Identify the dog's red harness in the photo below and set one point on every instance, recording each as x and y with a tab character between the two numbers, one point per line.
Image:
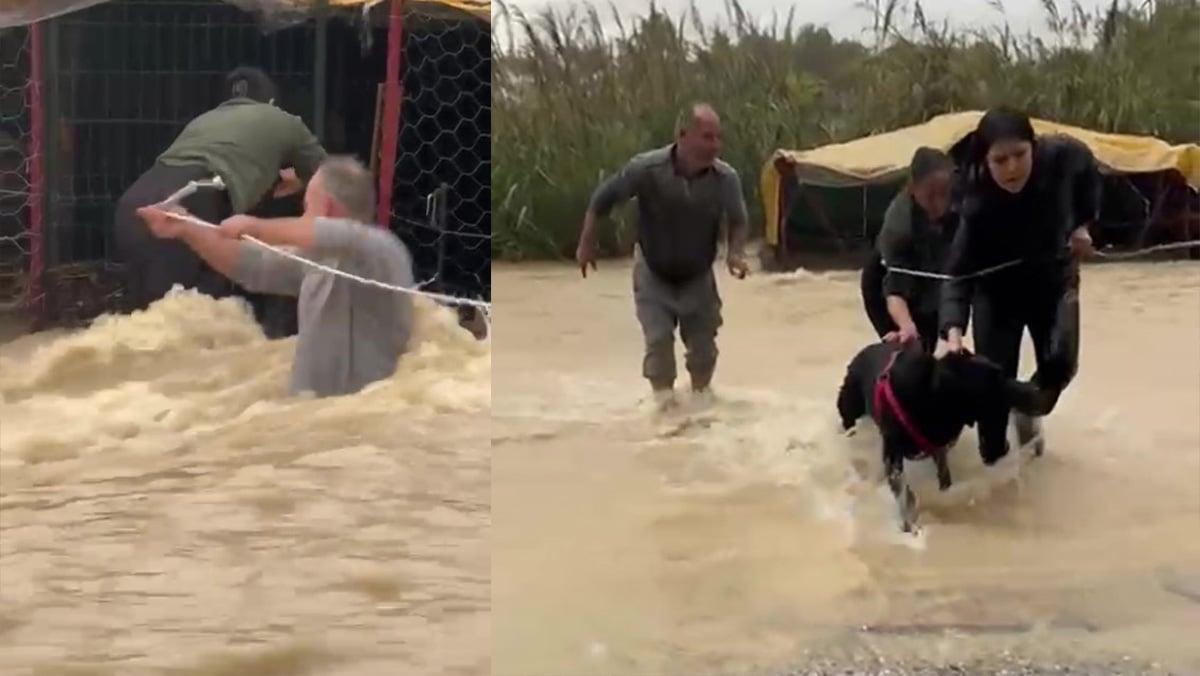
885	396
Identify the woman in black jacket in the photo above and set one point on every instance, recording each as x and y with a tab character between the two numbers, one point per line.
1027	199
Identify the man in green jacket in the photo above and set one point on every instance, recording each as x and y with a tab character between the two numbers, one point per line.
257	150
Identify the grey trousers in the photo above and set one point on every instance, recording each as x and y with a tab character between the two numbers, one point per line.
695	307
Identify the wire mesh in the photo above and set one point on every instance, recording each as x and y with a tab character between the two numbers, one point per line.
122	79
129	75
16	146
441	202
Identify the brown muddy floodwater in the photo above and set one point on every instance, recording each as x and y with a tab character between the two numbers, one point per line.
166	508
746	536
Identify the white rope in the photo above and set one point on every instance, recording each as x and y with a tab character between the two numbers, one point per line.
190	189
439	297
938	275
1141	252
996	268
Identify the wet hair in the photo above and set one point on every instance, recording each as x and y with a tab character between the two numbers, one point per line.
351	185
927	161
997	124
250	83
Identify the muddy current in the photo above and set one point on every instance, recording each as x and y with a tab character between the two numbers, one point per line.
751	534
166	507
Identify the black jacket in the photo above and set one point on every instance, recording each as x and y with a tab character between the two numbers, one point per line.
1034	226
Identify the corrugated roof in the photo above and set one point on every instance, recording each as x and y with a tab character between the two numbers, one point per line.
22	12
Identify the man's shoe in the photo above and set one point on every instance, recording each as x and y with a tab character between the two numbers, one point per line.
664	400
1029	430
704	397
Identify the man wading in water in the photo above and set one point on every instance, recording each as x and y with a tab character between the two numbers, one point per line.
351	334
682	190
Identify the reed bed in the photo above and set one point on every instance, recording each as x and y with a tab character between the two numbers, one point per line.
576	92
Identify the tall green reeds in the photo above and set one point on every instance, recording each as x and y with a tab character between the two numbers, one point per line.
572	100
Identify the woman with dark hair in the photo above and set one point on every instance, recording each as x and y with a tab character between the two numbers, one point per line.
917	230
1027	199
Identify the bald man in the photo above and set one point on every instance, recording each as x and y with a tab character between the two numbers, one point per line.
684	193
351	334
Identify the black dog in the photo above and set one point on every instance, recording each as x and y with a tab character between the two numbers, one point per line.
921	405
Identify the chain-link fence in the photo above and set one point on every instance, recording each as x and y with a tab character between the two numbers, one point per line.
121	78
16	170
441	200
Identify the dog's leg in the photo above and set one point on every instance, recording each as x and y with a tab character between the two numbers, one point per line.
993	442
943	468
906	502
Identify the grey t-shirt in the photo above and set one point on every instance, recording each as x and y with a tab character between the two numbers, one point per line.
351	334
678	217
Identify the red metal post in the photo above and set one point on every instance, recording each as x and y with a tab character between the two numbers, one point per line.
35	302
393	97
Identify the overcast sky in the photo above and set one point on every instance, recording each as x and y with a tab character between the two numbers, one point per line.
846	18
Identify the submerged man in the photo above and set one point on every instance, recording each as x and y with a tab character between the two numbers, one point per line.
256	149
916	234
1026	199
351	334
683	192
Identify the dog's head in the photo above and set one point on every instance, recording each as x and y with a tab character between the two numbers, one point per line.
971	388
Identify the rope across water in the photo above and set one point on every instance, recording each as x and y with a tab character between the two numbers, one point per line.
996	268
218	184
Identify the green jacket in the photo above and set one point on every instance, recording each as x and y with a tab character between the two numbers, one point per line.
247	143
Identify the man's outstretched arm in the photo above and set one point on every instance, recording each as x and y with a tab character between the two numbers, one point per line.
318	237
613	191
257	270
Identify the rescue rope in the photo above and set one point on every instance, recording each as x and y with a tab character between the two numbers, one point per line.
1117	256
996	268
218	184
439	297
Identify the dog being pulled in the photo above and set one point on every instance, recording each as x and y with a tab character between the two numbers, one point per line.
921	404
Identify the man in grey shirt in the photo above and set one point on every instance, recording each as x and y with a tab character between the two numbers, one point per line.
683	192
351	334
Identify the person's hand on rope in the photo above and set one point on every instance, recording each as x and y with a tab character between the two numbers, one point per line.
585	255
904	335
1081	242
161	220
238	226
951	344
737	265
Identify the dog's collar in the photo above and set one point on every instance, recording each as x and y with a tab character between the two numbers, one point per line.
885	397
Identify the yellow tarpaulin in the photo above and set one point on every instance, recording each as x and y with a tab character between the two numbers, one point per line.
480	9
885	157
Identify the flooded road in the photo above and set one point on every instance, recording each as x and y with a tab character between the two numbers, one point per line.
751	534
165	506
